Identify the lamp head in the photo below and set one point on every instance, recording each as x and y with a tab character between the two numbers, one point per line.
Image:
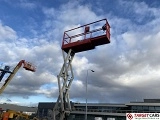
92	70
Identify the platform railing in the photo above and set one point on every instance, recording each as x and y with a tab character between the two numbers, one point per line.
72	36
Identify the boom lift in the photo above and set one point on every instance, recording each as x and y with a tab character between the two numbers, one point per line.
26	65
79	39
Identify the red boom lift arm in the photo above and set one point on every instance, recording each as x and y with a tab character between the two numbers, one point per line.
26	65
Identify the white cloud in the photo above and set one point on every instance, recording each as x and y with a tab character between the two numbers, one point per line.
41	52
130	39
7	34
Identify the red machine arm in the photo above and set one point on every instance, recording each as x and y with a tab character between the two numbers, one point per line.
26	65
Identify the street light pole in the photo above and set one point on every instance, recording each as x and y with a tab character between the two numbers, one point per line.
87	92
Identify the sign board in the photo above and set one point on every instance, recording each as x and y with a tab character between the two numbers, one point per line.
142	116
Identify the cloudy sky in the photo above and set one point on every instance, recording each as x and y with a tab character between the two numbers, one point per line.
126	70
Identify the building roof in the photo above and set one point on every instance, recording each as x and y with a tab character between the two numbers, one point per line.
17	108
146	102
49	105
100	104
152	100
142	104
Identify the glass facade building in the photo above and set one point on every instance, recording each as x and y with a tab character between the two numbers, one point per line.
104	111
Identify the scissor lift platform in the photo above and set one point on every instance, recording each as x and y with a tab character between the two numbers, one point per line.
86	37
79	39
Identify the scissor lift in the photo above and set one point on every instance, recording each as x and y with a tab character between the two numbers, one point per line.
79	39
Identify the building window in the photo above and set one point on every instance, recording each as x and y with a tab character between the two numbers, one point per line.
151	108
139	108
145	108
157	108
